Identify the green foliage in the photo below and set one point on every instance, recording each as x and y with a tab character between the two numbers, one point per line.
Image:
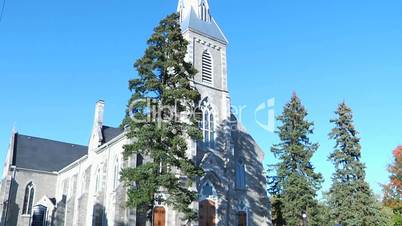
390	217
350	198
324	214
158	126
296	183
397	219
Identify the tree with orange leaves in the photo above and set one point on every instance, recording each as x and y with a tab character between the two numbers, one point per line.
393	190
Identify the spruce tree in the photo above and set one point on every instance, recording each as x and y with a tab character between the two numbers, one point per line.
275	191
160	124
350	198
296	183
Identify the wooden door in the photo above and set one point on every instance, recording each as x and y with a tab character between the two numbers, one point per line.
159	216
207	213
242	218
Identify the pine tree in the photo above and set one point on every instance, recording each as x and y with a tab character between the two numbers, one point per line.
275	191
296	181
350	198
160	124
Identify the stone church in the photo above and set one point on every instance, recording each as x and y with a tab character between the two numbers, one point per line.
53	183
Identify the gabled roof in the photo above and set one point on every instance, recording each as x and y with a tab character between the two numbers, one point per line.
109	133
210	29
45	155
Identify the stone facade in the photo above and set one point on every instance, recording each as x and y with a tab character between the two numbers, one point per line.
87	191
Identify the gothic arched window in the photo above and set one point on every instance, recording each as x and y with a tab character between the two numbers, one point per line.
140	160
207	68
208	191
240	175
116	173
203	16
208	126
28	199
204	11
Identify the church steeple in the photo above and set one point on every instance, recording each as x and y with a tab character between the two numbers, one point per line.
196	15
200	7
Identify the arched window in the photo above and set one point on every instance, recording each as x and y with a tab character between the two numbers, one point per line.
205	15
98	183
204	12
28	199
240	175
208	191
208	127
116	174
207	67
140	160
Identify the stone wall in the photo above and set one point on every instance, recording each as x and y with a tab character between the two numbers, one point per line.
44	185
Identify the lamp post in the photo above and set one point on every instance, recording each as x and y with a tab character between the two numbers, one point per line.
304	219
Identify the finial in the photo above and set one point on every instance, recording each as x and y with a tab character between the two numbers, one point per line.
14	129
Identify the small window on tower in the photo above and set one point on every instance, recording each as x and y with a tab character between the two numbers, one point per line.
207	68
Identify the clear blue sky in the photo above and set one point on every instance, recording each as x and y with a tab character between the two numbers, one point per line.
58	57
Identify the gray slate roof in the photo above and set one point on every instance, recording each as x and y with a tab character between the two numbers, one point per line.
109	133
210	29
45	155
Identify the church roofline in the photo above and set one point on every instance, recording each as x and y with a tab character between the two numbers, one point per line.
210	29
44	155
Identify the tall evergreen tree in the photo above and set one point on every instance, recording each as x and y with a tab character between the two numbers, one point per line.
274	190
350	198
160	124
296	183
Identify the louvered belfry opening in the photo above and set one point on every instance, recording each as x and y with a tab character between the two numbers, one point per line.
206	67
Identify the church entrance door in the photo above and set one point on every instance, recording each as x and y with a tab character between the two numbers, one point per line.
39	216
242	218
207	213
159	216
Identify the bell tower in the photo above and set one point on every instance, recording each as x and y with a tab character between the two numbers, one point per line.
207	52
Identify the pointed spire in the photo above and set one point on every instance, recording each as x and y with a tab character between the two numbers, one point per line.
14	130
200	7
195	15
